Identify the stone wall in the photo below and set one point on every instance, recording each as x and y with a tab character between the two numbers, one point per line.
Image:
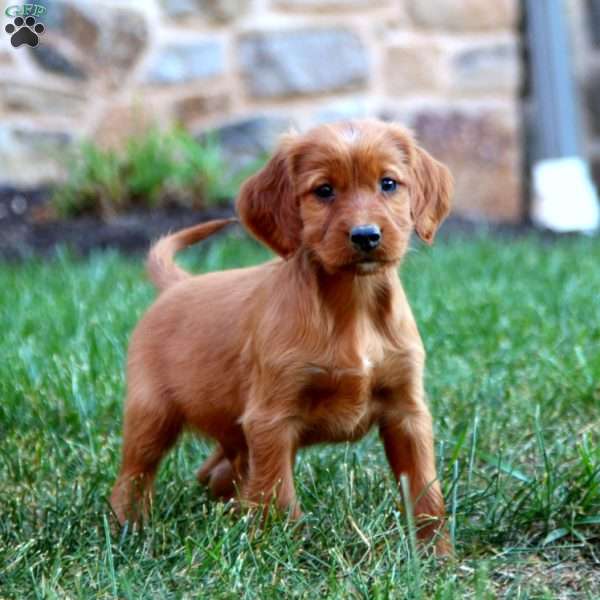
450	69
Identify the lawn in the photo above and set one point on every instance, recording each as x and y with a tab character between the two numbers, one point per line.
512	328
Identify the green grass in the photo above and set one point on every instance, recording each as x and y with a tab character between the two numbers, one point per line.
512	329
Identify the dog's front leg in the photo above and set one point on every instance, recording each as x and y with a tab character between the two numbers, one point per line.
407	436
271	448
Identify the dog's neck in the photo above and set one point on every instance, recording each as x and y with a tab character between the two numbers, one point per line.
347	294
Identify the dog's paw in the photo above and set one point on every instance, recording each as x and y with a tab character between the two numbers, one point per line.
24	31
442	547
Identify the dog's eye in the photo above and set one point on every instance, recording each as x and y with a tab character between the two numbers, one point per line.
325	192
388	185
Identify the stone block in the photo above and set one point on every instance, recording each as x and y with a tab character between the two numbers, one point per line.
212	10
279	64
82	41
481	146
341	110
415	66
321	5
192	108
40	100
121	122
30	156
181	8
247	140
123	38
55	60
492	66
6	58
185	62
75	22
464	15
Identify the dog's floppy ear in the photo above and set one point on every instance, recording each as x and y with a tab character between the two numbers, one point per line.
268	207
430	190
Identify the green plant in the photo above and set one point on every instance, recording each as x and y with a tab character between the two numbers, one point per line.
147	164
95	184
157	169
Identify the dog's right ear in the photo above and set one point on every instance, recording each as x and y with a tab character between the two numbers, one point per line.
268	207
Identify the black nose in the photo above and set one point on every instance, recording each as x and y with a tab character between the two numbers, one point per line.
365	237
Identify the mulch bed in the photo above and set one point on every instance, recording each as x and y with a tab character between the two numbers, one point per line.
26	230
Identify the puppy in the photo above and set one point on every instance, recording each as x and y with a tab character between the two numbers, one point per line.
318	345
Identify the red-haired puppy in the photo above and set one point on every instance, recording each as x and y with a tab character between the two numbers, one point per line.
318	345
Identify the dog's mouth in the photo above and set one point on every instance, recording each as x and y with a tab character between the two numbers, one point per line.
365	265
358	263
368	260
373	260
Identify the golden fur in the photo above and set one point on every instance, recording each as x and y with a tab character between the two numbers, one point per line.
316	346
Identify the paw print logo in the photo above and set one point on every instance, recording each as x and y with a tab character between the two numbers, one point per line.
24	31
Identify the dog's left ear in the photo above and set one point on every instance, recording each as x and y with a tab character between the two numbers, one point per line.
268	207
430	192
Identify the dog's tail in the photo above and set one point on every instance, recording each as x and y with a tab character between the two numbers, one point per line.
160	265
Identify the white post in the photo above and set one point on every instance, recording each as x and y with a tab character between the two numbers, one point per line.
564	196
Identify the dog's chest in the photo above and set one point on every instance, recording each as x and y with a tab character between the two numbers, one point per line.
340	400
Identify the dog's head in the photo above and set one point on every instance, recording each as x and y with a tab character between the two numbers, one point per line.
351	193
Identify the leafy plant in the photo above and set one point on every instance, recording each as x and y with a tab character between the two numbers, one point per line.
158	169
94	185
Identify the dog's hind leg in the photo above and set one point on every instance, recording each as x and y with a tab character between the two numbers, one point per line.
152	425
223	471
217	473
218	455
